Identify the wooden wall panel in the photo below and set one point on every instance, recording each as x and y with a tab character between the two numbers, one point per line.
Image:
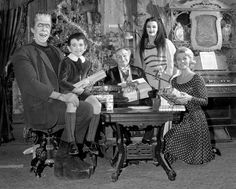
113	12
5	4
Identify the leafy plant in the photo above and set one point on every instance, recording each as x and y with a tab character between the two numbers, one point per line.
68	19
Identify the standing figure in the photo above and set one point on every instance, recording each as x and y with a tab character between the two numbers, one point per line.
75	68
156	54
189	140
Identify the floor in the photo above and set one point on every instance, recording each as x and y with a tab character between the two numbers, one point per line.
218	174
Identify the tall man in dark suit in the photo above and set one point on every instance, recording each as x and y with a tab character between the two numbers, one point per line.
36	71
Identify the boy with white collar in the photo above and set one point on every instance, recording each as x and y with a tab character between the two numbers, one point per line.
73	69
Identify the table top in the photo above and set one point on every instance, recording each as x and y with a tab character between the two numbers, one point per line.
144	110
131	117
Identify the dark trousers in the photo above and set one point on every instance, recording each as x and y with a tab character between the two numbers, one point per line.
149	131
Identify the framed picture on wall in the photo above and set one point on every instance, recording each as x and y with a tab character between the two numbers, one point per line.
206	32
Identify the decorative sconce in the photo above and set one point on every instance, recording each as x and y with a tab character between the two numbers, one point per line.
127	34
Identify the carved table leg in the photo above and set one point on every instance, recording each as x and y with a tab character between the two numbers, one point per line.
121	154
116	152
160	156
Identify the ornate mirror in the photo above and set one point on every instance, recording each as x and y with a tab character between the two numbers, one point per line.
206	32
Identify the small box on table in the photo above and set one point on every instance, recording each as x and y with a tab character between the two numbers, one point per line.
107	99
136	90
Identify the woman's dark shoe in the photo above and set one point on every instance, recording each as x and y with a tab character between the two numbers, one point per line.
216	151
156	163
171	175
73	149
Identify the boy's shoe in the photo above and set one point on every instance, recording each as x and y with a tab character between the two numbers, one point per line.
73	149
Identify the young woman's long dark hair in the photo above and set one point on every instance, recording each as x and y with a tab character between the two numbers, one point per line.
159	41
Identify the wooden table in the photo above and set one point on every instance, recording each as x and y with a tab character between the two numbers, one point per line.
126	117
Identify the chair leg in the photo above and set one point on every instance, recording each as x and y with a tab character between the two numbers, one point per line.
43	153
38	163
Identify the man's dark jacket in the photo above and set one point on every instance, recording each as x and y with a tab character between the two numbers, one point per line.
113	75
37	79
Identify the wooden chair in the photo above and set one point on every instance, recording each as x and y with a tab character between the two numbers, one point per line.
45	144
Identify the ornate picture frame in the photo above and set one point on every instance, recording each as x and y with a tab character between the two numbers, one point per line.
206	32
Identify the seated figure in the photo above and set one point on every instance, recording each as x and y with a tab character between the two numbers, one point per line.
74	68
36	69
123	73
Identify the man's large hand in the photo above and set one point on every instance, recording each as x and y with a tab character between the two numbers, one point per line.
67	98
71	98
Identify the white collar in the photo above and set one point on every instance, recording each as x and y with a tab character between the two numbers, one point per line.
121	76
124	68
75	58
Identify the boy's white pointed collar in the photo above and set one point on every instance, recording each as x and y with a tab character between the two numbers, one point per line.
75	58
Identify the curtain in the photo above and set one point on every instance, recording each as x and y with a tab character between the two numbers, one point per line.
10	21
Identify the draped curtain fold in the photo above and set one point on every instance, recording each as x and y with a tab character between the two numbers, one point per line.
10	21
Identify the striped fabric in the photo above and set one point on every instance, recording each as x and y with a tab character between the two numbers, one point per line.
154	62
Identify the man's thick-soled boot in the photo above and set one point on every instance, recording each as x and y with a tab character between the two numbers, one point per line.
75	168
61	155
73	149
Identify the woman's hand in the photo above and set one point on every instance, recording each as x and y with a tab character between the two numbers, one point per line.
183	99
158	70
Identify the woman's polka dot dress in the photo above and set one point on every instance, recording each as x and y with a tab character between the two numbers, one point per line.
189	140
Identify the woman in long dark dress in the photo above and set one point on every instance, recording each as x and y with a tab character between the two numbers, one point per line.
189	140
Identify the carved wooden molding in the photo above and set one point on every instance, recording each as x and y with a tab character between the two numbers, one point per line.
206	32
200	5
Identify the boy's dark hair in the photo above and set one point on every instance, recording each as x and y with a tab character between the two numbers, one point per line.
77	36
